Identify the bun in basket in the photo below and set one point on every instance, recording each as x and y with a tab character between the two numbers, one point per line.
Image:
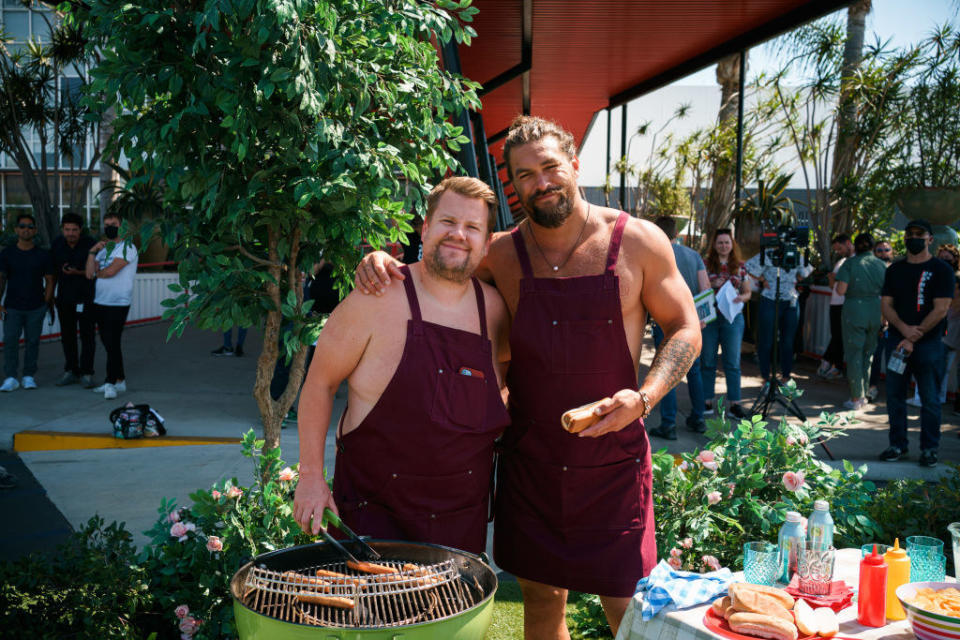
762	626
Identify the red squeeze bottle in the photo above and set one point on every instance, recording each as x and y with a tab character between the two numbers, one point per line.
872	597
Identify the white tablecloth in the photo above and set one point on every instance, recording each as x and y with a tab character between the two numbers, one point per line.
687	624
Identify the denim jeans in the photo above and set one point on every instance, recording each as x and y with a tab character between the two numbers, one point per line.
926	365
728	336
228	337
880	357
30	323
668	405
787	325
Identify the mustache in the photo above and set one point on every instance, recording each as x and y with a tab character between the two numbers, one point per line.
544	192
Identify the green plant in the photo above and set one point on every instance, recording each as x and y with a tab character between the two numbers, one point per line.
586	618
741	485
194	551
91	587
768	202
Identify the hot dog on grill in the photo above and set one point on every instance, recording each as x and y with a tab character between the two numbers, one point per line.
326	601
576	420
371	567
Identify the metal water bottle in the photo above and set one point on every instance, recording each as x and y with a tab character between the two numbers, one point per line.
791	540
820	526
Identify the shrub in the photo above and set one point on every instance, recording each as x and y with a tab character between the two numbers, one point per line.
195	551
41	595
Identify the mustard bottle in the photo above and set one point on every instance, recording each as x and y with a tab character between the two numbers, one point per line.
898	573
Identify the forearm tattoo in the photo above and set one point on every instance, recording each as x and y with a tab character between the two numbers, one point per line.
671	363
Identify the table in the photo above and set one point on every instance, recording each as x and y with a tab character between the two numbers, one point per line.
687	624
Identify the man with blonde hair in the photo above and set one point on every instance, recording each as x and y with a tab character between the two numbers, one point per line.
575	511
415	444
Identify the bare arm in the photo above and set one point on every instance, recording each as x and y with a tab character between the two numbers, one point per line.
340	347
910	333
113	268
938	313
703	280
841	288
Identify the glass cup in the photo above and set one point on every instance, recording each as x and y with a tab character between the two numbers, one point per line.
815	569
867	549
924	544
924	552
761	563
928	568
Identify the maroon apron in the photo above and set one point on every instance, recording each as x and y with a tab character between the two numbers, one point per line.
419	465
572	512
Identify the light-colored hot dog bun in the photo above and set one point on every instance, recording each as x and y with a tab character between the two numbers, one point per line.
785	598
576	420
756	602
720	605
762	626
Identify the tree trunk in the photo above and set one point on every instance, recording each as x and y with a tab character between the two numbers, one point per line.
719	201
107	174
844	156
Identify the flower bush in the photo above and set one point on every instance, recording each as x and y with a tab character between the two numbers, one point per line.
739	488
195	550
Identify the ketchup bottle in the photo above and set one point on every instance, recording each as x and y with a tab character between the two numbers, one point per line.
872	598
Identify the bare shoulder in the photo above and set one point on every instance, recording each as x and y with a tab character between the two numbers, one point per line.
644	236
358	310
495	306
500	245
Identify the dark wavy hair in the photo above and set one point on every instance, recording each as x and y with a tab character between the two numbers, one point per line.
713	258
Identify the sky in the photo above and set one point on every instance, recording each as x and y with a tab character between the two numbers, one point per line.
902	22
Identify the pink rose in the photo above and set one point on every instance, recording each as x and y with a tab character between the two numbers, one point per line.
675	563
675	552
713	497
234	492
287	474
706	456
712	465
711	562
216	494
686	543
189	626
793	481
174	516
791	440
178	530
214	544
802	438
182	611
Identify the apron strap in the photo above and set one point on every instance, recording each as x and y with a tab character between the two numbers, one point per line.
524	258
412	300
616	239
481	308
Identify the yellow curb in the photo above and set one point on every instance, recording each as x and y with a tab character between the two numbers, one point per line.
63	440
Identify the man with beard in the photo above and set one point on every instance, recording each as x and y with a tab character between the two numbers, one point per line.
415	444
576	511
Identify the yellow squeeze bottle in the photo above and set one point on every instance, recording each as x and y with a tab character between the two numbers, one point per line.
898	573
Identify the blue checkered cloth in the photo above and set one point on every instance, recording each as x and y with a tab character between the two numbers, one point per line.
683	589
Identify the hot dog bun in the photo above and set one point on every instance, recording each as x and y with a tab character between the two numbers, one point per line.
762	626
803	615
576	420
750	601
720	605
785	599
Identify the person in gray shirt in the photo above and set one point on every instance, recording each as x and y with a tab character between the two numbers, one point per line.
694	273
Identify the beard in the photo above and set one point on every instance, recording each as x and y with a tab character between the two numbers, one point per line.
550	216
452	270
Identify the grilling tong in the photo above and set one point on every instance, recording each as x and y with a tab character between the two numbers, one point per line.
329	517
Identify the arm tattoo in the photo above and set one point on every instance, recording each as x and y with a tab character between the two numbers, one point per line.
671	363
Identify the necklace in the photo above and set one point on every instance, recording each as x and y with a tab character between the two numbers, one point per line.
557	267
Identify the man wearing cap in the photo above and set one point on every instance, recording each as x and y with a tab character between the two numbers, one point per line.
916	295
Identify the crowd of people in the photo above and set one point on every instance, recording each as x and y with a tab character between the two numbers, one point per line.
87	282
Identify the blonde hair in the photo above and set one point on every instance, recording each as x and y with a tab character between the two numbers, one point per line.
468	188
527	129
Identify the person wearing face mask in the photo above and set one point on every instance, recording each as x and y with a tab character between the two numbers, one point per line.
915	298
112	263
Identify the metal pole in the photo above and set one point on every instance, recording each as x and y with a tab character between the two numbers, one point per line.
608	141
740	92
623	154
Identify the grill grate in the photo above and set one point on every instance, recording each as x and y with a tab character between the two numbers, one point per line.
415	593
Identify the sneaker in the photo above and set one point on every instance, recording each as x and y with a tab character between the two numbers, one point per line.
222	351
28	382
68	377
831	374
120	386
697	426
238	352
914	402
10	384
855	405
7	479
290	418
667	433
109	391
873	393
87	381
928	458
737	411
892	454
708	408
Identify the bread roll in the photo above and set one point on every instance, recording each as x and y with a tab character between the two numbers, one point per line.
755	602
803	615
576	420
785	598
720	605
827	623
762	626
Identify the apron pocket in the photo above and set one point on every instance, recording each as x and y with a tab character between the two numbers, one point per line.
460	400
584	346
430	495
607	497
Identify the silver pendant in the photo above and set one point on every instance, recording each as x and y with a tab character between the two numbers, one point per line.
556	268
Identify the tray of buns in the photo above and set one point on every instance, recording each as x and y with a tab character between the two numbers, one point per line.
753	611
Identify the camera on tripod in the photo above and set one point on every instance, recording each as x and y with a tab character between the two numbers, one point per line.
787	243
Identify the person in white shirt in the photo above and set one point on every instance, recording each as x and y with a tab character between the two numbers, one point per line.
112	262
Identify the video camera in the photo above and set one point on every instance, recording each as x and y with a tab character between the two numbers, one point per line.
787	243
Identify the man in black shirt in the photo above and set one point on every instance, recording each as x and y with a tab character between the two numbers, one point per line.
26	273
916	295
74	300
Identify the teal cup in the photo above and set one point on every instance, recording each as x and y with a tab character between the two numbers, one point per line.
867	549
761	563
928	568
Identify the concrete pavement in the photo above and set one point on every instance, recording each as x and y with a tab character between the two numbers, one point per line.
201	395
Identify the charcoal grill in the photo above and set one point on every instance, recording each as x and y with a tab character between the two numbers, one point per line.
436	592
